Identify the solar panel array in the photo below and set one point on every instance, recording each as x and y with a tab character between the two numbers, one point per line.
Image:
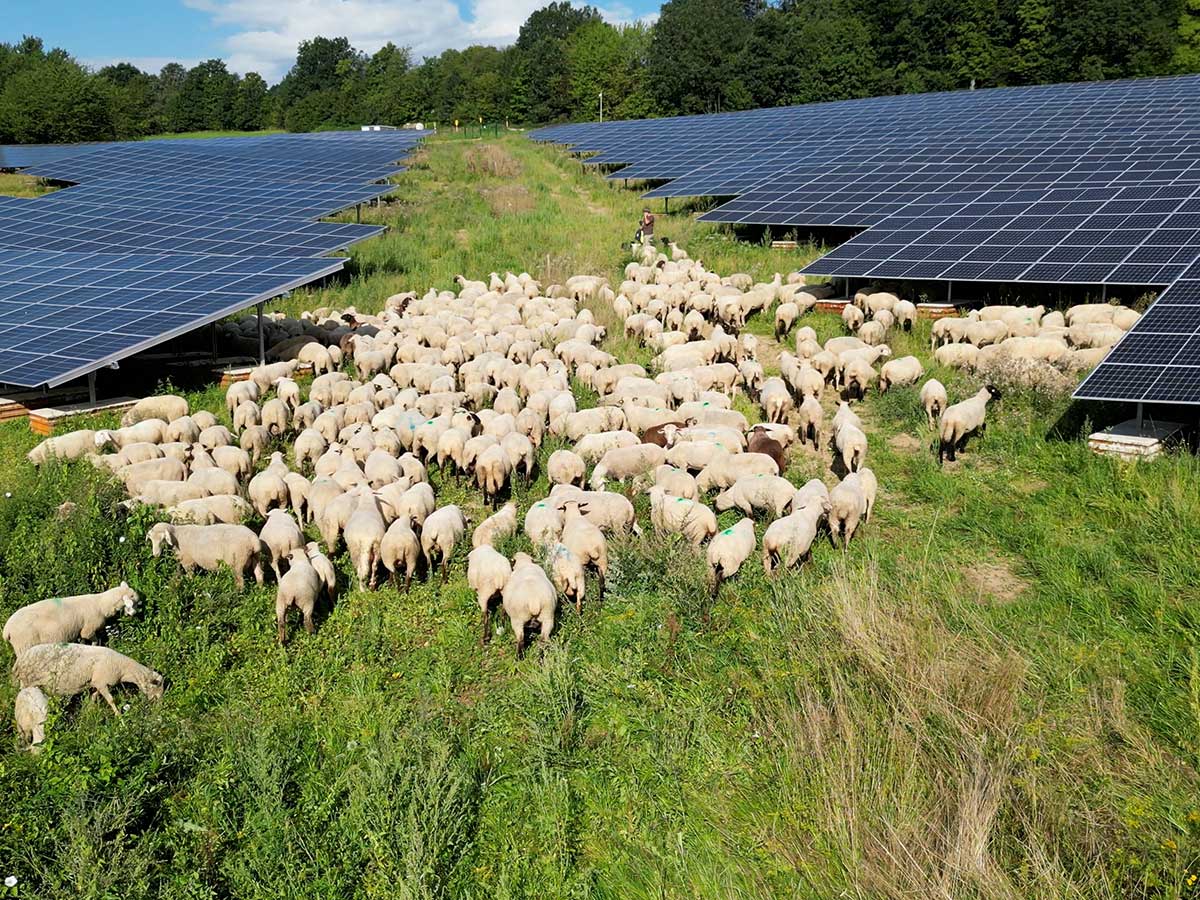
1094	183
158	238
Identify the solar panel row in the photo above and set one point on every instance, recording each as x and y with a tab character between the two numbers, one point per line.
159	238
1068	184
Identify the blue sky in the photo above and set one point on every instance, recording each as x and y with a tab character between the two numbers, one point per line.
261	35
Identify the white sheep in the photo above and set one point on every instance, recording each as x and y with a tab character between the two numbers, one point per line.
566	572
851	443
772	493
776	400
963	419
543	523
439	535
725	468
208	547
30	712
530	600
67	618
848	507
566	467
681	515
400	548
728	550
166	407
626	463
810	421
487	574
899	372
363	535
933	400
496	527
789	540
228	509
66	447
280	535
300	587
587	542
676	481
68	669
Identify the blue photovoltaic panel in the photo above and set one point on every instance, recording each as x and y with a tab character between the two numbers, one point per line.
34	224
1095	183
65	314
158	238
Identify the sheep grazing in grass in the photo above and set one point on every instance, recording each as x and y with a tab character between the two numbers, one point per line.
495	527
69	669
208	547
30	712
530	601
810	421
364	534
786	315
543	523
789	540
62	619
851	444
487	573
776	399
772	493
679	515
400	549
280	535
676	481
728	550
565	467
166	407
324	567
933	400
299	588
586	542
439	535
851	502
963	419
904	370
566	571
71	446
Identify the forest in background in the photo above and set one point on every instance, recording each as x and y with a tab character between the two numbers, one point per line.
699	56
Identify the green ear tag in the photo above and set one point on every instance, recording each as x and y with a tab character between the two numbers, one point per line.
727	531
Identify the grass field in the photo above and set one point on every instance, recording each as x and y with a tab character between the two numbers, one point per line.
16	185
994	694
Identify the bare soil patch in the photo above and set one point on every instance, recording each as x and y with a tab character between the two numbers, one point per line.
906	443
995	582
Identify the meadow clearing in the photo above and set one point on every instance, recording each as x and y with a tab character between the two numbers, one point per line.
994	693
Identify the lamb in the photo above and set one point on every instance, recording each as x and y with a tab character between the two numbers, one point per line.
810	421
487	573
566	572
933	399
30	712
776	399
681	515
67	447
566	467
529	600
241	392
299	587
851	443
64	619
280	535
495	527
789	540
228	509
902	371
400	548
726	468
208	547
627	462
906	314
586	541
728	550
68	669
852	317
850	503
963	419
363	535
166	407
751	492
440	533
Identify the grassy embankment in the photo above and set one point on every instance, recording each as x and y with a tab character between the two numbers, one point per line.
995	693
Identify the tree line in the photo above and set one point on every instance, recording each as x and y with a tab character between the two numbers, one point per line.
699	56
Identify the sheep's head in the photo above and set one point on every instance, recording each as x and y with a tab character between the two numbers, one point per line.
993	391
161	535
103	439
129	598
152	685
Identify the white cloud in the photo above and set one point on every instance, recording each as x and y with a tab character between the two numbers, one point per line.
265	33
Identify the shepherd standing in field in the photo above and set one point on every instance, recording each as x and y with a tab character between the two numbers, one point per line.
645	233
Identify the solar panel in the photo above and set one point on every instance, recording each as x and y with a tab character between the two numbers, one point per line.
65	314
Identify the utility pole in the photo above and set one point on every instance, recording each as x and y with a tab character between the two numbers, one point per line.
602	106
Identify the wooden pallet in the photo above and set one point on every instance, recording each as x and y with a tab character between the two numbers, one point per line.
18	405
936	310
783	245
44	421
832	305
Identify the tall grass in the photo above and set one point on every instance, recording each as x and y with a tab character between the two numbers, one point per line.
995	693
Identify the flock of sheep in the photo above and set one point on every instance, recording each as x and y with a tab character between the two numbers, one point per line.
473	383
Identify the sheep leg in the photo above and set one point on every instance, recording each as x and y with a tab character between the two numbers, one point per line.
281	625
485	623
408	573
445	567
308	620
519	628
102	690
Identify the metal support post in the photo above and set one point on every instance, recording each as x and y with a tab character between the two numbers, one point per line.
212	333
1140	417
666	205
358	213
92	388
950	292
262	349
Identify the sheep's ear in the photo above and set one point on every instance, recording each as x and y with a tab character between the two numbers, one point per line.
124	584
